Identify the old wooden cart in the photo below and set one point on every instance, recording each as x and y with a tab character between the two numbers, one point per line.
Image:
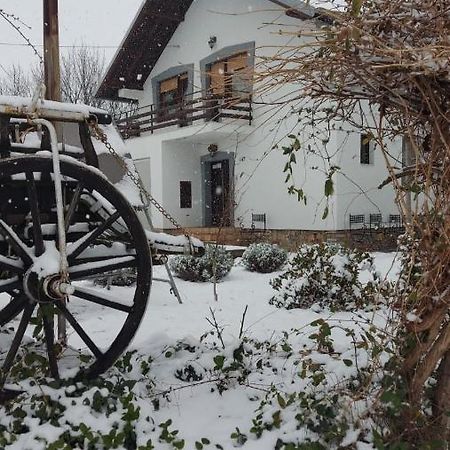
68	212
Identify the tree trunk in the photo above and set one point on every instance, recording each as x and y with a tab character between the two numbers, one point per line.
441	407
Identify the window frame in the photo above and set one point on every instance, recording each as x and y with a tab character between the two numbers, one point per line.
226	53
366	150
167	75
169	109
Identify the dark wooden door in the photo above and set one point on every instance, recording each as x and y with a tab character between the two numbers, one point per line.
220	193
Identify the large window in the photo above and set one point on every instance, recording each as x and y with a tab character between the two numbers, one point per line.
172	92
230	77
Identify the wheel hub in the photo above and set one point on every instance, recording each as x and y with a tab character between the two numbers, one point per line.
49	289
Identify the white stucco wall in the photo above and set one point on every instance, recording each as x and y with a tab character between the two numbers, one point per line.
259	177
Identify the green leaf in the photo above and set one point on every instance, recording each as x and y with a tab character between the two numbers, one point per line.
348	362
179	444
218	361
329	188
281	401
325	213
356	7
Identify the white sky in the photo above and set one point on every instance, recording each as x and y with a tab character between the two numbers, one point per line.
89	22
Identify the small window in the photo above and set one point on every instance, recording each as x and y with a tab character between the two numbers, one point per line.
185	194
172	92
365	155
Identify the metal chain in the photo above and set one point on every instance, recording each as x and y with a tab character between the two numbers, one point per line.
135	178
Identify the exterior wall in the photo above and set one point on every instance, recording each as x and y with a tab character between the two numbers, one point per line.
357	185
181	162
259	179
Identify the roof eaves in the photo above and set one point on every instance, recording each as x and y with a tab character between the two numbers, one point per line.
120	48
297	8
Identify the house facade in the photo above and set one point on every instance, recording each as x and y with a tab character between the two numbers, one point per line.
207	137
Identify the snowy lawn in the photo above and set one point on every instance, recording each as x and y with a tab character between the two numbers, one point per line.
184	374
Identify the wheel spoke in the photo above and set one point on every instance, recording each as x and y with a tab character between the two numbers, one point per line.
95	298
79	330
9	360
82	244
10	264
12	309
10	284
73	205
49	331
20	248
34	207
82	271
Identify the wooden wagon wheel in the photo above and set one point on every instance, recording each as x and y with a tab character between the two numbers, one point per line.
96	245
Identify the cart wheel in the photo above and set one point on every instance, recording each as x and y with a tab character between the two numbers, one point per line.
103	236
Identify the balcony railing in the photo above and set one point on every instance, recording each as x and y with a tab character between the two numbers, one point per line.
211	109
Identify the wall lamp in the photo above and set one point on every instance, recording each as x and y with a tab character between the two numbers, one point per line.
212	42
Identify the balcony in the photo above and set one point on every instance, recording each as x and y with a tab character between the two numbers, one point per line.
149	119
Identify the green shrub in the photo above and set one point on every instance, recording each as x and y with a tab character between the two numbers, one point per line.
215	264
324	274
264	258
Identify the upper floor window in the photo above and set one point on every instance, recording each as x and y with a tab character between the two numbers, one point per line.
366	149
172	92
230	77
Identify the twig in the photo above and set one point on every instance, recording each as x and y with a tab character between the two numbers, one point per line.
214	324
243	321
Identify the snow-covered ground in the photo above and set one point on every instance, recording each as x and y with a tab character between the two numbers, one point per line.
173	336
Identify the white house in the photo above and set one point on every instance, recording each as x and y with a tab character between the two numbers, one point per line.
203	137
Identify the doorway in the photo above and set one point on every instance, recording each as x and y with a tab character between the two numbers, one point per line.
220	191
217	189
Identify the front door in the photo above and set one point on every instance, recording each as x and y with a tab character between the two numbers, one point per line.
220	193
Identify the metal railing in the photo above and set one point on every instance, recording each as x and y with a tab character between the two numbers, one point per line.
190	110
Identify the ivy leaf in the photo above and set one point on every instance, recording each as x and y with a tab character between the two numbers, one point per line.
348	362
325	213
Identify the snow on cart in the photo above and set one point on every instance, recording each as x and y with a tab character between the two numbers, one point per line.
69	203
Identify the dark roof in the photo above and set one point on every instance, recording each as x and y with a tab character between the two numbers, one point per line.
144	43
148	36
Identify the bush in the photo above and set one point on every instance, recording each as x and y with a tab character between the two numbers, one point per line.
324	274
213	265
123	277
264	258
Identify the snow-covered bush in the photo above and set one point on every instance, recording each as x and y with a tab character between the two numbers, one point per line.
264	258
324	274
213	265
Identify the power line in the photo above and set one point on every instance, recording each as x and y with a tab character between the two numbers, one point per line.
11	44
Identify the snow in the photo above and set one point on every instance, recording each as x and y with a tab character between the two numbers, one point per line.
197	408
9	103
164	239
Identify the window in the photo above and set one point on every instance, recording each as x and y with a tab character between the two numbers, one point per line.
172	93
366	150
230	77
185	194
